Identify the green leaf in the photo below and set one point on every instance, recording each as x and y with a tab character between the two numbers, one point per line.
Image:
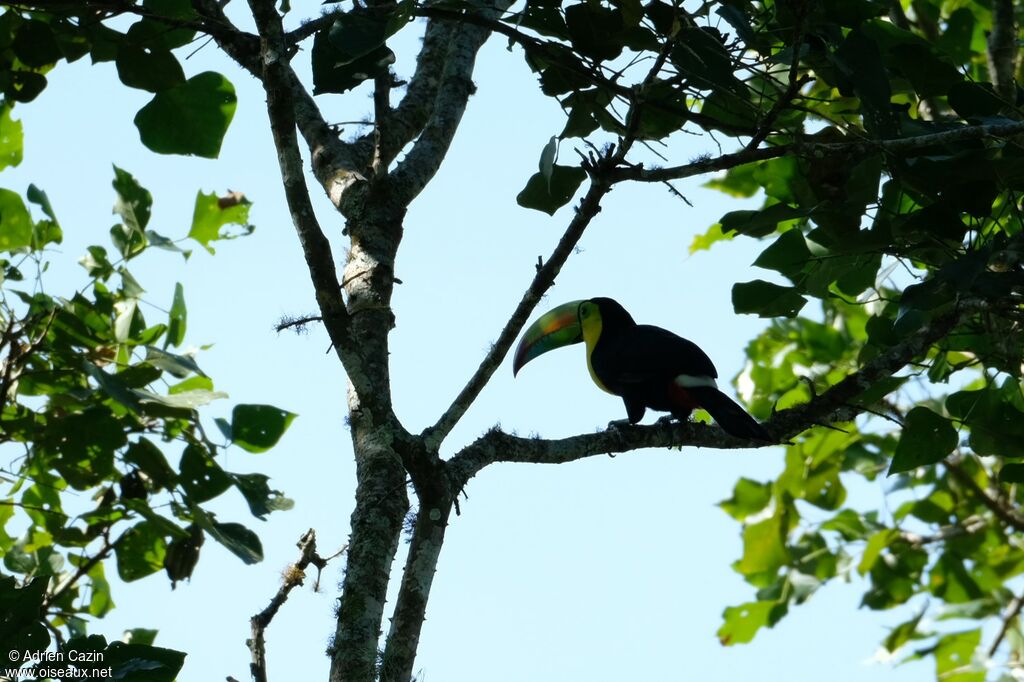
11	139
134	662
739	182
742	622
144	636
1012	473
954	656
257	428
766	299
595	31
335	71
177	318
212	214
549	195
878	542
849	524
183	554
151	461
190	118
705	241
748	498
764	549
15	222
258	495
140	551
859	62
100	601
950	581
153	70
241	541
21	623
760	223
788	255
180	366
902	633
84	445
202	477
975	99
182	400
926	439
25	86
355	34
997	426
35	44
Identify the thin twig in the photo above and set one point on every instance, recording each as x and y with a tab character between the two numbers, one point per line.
1016	604
294	576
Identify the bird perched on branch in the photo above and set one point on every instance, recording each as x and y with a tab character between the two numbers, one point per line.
647	366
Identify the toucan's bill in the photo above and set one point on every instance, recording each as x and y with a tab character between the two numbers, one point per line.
556	328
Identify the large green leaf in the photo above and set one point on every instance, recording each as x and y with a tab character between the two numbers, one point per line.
239	540
140	551
766	299
11	139
154	70
177	318
212	215
257	428
22	627
788	254
15	222
926	439
189	118
742	622
748	498
550	194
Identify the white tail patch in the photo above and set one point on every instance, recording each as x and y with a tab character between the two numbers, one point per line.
691	381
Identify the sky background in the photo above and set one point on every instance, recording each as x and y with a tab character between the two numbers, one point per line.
602	570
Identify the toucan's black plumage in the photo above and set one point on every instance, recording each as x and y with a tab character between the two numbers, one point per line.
647	366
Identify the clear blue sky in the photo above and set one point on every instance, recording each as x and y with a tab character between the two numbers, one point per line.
602	570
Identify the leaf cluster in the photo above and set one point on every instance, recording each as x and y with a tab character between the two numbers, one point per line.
109	464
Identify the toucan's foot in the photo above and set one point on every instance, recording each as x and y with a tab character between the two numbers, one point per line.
668	419
618	424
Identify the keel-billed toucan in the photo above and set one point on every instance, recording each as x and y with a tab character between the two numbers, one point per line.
647	366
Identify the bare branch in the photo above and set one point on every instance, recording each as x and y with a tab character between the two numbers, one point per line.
294	576
1014	609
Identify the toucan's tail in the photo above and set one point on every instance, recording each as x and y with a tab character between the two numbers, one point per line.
730	416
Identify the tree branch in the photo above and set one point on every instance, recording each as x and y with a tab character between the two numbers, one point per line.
1013	610
277	78
816	149
293	577
417	579
411	114
1002	50
429	150
832	406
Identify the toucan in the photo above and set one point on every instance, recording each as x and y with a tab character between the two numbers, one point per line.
647	366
